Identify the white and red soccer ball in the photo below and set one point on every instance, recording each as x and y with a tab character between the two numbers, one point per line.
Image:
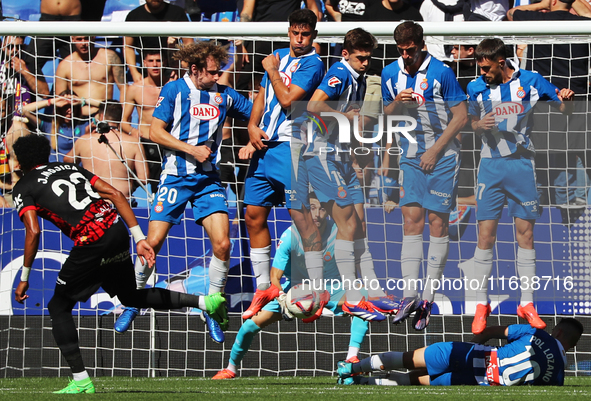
302	302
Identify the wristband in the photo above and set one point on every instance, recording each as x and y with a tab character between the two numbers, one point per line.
136	232
48	102
25	273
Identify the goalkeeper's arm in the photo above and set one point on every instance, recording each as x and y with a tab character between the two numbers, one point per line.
492	332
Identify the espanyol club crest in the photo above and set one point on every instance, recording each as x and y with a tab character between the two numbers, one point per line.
294	67
286	79
506	110
333	82
424	85
401	192
520	92
342	193
159	207
327	257
218	98
204	111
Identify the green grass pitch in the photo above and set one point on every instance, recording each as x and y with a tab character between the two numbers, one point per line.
276	388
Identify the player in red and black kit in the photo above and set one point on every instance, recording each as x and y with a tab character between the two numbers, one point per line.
76	201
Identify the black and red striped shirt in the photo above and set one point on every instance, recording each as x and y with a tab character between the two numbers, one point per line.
63	193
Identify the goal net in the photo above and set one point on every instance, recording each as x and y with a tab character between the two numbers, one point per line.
176	343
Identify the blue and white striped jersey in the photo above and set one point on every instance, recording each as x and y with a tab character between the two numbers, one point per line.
436	90
531	357
513	103
196	117
289	256
305	72
345	86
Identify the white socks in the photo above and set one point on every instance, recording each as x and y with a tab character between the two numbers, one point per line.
436	259
142	272
218	273
363	257
345	260
260	258
315	266
384	361
526	267
411	257
483	261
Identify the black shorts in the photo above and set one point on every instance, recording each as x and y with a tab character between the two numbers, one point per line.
105	263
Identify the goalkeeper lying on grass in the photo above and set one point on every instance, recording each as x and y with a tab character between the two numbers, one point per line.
532	356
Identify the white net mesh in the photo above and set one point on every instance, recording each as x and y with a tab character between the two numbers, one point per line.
176	343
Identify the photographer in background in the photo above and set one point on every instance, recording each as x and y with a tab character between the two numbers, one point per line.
93	151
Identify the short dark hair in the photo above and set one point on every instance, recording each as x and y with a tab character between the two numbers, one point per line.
303	16
492	49
31	151
359	39
575	329
408	31
111	110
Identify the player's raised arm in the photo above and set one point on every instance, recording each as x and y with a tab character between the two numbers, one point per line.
492	332
286	95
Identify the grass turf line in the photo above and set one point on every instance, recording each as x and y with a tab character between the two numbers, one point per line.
275	388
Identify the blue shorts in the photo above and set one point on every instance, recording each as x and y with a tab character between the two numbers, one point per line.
334	181
512	179
271	177
204	190
335	296
450	364
436	191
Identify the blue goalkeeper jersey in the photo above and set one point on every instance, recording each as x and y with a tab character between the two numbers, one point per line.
531	357
289	256
305	72
436	90
513	103
196	117
346	87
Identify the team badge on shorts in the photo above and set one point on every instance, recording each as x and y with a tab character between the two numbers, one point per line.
342	193
218	98
401	192
327	257
520	92
159	207
424	85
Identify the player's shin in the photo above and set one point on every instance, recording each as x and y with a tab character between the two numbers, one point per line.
243	341
364	259
359	329
345	260
315	266
411	258
142	272
218	273
260	258
526	267
437	257
483	261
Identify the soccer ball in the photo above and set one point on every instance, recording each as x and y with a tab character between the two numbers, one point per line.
301	301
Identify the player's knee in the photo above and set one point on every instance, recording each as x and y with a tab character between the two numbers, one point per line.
254	222
486	241
221	248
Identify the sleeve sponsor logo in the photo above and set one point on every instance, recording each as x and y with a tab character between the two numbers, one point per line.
160	99
333	82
